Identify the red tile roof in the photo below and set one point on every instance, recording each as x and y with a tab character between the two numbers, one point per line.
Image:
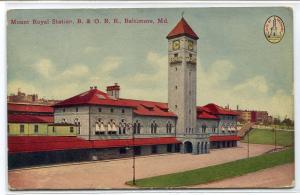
25	118
224	138
205	115
149	108
20	144
217	110
182	28
92	97
97	97
15	107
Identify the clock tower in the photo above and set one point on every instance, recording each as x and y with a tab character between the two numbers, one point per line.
182	76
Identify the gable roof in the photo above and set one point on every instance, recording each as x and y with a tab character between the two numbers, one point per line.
97	97
91	97
201	114
182	28
217	110
149	108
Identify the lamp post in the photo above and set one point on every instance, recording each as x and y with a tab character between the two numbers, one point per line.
275	138
133	154
248	143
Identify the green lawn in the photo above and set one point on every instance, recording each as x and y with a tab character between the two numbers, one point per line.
265	136
218	172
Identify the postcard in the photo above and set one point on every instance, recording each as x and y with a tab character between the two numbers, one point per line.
150	98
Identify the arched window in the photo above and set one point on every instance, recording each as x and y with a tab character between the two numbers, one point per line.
139	128
169	127
77	123
154	127
203	128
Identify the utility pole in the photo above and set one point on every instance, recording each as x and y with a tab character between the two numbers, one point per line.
275	139
248	144
133	154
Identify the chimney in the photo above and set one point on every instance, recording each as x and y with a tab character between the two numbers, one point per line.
113	91
91	88
237	107
95	87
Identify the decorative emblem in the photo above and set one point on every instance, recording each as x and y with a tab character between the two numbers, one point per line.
274	29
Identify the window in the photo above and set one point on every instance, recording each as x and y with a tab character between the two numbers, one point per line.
175	106
122	150
99	110
137	127
203	128
8	129
175	86
53	129
169	127
36	128
176	55
63	120
71	129
190	55
21	128
189	111
123	110
64	110
214	129
76	109
154	127
154	149
111	110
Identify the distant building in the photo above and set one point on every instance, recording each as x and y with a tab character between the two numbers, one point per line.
253	116
21	97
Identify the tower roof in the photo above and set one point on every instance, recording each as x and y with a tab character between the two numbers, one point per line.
182	28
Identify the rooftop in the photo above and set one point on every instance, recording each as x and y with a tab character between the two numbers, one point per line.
182	28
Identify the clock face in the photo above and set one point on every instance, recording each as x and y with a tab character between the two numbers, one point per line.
176	45
190	45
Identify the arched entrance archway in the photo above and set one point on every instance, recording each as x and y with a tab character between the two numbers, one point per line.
188	147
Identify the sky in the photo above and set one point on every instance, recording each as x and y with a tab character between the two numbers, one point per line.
236	65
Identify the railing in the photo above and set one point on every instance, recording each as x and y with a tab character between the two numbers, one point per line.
174	60
125	136
191	60
194	135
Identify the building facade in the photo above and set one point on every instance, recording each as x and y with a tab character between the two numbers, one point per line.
106	124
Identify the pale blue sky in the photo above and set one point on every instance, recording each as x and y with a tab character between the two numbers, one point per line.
236	64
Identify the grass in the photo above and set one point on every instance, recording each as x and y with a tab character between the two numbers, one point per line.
265	136
217	172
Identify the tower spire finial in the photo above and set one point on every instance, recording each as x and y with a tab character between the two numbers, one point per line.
182	13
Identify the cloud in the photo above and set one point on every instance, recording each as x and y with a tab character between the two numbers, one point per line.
75	72
109	64
255	85
44	67
250	93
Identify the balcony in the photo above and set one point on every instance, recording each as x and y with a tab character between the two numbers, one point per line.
191	60
175	60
